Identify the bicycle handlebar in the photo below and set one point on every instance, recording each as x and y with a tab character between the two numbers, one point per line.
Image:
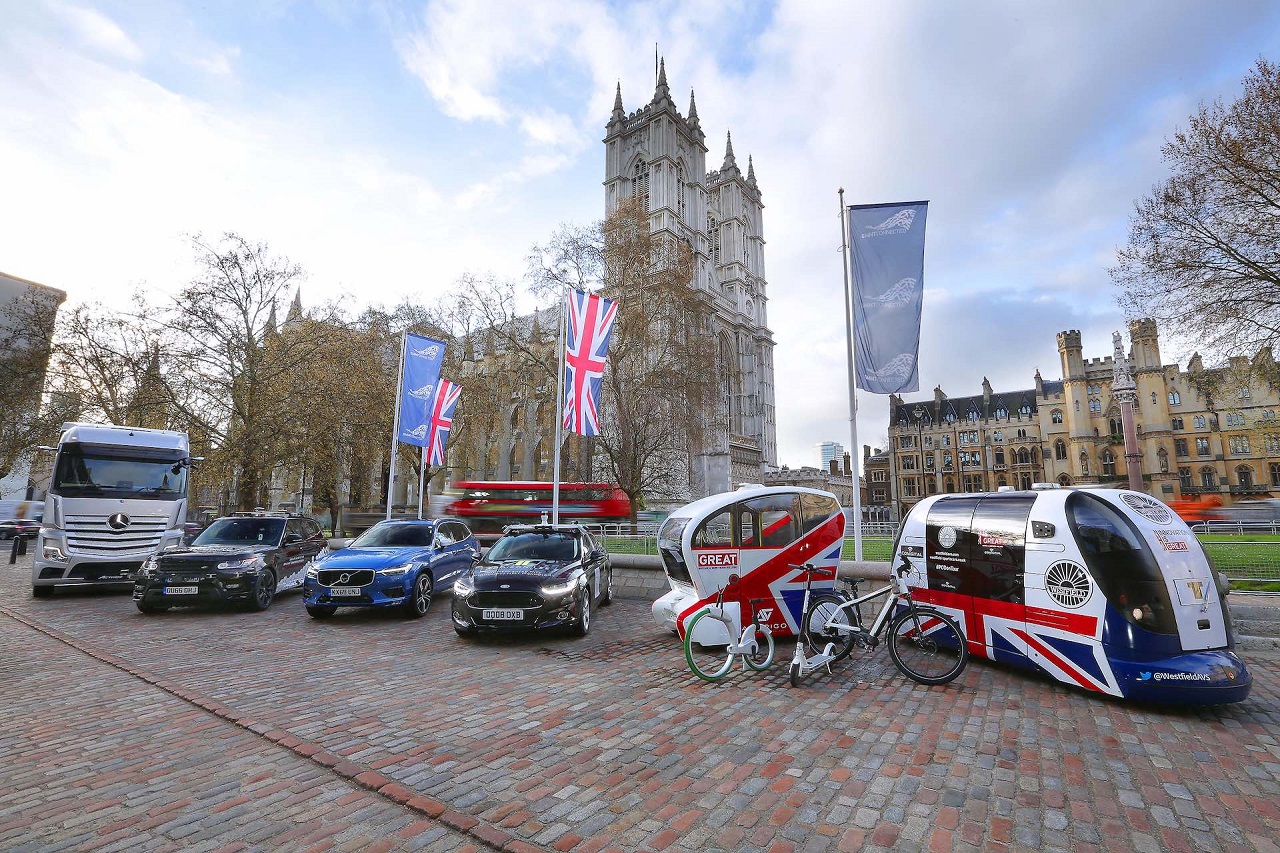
817	570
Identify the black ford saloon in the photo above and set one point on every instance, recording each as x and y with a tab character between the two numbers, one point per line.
536	576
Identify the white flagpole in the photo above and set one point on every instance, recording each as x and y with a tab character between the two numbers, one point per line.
395	431
422	478
555	476
853	388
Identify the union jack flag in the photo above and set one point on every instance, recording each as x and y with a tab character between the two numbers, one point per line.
590	326
442	419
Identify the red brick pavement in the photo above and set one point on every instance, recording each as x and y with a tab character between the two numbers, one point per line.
609	743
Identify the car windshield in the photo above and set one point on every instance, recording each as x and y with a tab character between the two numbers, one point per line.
535	546
395	535
242	531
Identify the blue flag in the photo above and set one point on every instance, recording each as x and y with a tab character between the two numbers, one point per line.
421	368
887	243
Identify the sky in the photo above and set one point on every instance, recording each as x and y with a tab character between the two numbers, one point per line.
392	147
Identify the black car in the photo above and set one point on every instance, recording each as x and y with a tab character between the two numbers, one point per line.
12	527
242	559
534	576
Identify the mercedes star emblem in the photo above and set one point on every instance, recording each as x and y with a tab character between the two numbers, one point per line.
119	521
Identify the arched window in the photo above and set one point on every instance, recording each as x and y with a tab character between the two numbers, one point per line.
1056	416
1024	410
1035	456
1025	481
1059	449
713	236
640	185
1244	475
948	485
999	456
1154	398
1077	405
1108	463
951	417
1275	474
1163	456
1023	457
681	189
1064	480
1002	412
1208	478
1175	399
1095	406
1116	426
1002	482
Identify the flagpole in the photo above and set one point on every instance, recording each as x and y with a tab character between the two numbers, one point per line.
555	476
395	431
422	479
853	388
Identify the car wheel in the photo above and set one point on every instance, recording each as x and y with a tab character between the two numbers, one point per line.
265	592
418	602
41	591
607	599
148	609
582	625
319	611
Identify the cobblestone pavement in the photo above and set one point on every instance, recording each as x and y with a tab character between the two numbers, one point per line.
227	730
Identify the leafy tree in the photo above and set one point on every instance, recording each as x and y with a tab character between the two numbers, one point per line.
1203	254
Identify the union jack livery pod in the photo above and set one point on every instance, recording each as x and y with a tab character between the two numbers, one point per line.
756	533
1104	589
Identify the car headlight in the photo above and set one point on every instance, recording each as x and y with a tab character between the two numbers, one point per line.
53	552
395	571
560	588
463	586
148	566
312	571
245	563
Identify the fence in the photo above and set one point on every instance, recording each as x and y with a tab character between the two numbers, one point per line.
1240	559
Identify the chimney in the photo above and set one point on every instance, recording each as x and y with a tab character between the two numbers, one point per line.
866	452
848	468
833	466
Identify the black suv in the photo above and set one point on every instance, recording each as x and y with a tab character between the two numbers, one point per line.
241	559
535	576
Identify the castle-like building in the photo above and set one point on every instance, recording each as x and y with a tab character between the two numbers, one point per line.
1200	431
658	157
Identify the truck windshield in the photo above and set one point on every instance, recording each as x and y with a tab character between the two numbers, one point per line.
91	470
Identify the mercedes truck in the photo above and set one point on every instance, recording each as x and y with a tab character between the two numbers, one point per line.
118	495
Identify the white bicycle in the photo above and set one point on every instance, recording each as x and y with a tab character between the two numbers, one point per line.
722	639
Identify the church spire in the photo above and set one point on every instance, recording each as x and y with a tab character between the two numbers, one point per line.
693	109
618	114
729	161
295	310
751	171
272	325
662	92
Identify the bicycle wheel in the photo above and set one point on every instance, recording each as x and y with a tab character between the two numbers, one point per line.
927	645
710	663
824	610
762	657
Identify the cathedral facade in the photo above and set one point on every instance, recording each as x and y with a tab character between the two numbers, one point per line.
658	157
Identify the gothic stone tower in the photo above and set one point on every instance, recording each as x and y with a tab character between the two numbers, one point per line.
659	156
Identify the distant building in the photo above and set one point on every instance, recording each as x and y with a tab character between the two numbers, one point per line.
878	505
828	450
1200	431
27	314
834	480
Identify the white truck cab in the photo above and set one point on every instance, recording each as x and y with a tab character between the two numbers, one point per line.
118	495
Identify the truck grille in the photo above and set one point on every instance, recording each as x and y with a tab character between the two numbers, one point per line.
90	535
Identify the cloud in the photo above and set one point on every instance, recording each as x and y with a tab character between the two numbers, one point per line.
96	30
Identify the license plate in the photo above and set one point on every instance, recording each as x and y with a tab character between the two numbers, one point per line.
510	613
181	590
344	591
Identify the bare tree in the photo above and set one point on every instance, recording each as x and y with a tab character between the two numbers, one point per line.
659	389
1203	254
27	415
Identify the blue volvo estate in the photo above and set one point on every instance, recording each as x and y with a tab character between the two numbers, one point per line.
395	563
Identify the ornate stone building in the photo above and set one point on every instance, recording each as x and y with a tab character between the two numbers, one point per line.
659	156
1200	431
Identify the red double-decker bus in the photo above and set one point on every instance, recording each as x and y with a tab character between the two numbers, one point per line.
487	507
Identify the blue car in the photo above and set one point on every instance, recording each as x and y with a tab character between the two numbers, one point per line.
392	564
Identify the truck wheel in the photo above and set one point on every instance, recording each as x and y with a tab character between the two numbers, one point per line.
41	591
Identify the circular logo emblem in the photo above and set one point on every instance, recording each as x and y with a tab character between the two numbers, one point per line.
119	521
1148	507
1068	584
344	578
947	537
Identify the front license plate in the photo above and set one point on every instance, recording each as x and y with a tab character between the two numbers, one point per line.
181	590
345	591
507	613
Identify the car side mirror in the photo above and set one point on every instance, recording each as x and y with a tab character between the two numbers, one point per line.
291	538
339	544
598	554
